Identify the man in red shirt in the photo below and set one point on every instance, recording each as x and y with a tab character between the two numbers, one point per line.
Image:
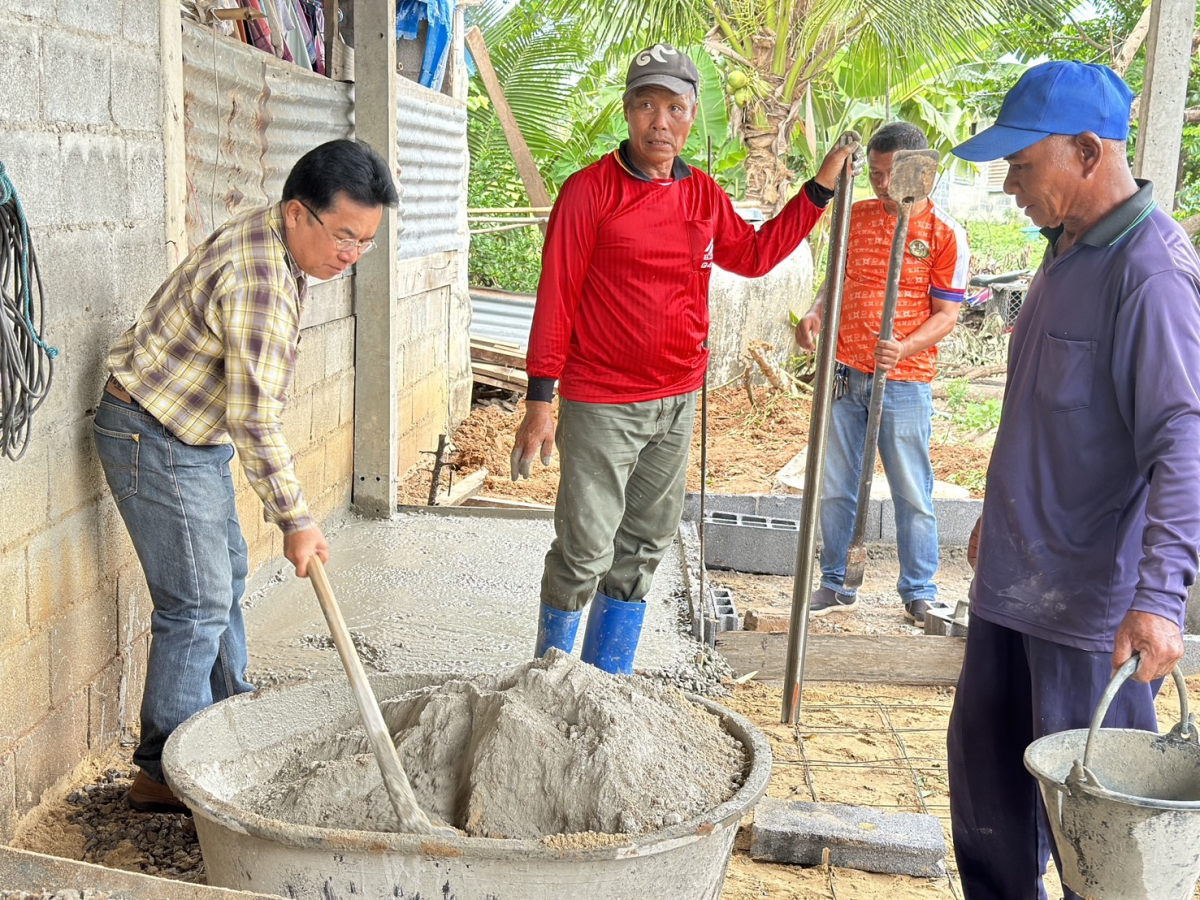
933	277
620	322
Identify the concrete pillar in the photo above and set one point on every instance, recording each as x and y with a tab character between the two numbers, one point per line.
1164	94
376	379
174	139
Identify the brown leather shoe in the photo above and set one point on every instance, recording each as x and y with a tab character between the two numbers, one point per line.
147	795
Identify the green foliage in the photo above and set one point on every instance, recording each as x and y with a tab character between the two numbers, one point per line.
1003	246
509	260
974	415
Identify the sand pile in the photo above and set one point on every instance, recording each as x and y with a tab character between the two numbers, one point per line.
553	746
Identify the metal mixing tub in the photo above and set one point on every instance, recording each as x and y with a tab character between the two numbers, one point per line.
238	743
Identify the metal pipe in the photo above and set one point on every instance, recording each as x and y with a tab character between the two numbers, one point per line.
818	433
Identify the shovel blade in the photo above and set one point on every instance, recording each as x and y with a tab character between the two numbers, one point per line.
913	175
856	564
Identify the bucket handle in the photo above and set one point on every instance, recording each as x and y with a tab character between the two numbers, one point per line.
1118	679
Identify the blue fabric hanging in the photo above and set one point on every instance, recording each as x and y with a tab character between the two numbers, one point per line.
440	16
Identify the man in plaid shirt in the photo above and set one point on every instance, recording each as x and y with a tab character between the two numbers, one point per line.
203	371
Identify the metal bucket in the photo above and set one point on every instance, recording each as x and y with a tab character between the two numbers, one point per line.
1126	820
236	744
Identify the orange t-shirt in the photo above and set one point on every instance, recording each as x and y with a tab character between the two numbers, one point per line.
935	265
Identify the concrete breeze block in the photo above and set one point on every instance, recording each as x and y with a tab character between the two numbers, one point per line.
750	543
858	838
20	64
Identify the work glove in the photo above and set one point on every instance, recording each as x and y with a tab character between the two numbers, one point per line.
858	156
522	465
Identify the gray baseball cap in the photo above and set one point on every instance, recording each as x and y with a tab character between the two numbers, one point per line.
664	66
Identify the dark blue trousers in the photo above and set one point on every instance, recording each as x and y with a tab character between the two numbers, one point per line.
1014	689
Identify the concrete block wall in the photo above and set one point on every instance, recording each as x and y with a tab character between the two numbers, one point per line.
429	401
80	136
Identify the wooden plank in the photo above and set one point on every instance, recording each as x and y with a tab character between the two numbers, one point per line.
501	357
506	374
331	34
535	188
463	490
883	658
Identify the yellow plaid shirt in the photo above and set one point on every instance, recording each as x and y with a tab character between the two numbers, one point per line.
212	354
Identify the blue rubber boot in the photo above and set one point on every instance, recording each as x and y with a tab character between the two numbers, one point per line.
613	629
556	628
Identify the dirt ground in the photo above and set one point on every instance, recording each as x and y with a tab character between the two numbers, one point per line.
747	446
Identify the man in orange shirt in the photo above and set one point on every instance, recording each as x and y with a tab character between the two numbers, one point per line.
933	279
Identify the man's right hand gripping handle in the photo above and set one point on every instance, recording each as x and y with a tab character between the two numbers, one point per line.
534	438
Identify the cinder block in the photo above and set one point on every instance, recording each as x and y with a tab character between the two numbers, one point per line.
781	506
77	274
297	419
76	82
346	407
145	179
745	504
29	479
133	678
724	614
82	642
8	797
326	408
858	838
14	591
139	24
133	606
76	478
20	73
1190	664
33	161
339	347
955	519
103	17
750	543
28	664
140	263
62	567
1192	615
339	456
104	706
310	468
51	751
93	173
310	361
136	98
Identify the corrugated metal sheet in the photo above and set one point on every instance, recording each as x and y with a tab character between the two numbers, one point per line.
501	316
431	149
248	118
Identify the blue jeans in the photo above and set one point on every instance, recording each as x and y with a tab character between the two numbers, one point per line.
904	429
177	502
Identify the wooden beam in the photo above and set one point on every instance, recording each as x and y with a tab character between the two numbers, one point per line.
526	167
331	34
894	659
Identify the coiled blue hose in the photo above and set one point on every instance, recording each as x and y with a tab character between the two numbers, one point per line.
26	361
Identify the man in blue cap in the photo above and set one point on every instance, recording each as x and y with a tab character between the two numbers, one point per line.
1088	539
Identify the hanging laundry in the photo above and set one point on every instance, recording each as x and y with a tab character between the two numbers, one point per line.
258	31
440	16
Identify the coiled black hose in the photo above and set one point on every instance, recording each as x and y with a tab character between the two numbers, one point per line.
26	362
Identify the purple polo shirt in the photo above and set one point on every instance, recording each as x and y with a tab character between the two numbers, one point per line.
1093	491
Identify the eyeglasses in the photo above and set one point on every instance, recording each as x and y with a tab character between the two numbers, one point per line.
343	245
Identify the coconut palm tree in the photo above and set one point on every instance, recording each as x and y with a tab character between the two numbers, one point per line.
775	55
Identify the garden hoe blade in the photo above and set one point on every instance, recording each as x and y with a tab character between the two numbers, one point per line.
913	174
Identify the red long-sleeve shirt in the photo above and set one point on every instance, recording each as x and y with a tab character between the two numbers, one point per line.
622	303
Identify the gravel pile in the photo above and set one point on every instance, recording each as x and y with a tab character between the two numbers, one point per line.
120	837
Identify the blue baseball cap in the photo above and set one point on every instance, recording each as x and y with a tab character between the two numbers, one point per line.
1054	98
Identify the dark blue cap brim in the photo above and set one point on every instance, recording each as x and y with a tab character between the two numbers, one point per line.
997	142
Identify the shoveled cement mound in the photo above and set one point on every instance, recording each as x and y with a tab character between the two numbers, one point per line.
553	746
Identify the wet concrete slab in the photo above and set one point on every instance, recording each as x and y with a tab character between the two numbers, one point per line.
437	592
